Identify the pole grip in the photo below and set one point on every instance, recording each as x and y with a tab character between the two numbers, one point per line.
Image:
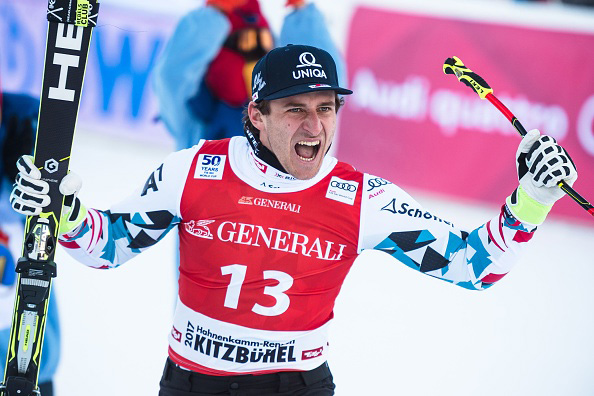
456	67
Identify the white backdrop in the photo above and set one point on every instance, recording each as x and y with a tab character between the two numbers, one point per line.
396	331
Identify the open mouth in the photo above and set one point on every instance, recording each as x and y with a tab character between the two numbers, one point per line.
307	151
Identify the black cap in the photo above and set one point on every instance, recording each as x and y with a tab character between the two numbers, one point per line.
293	70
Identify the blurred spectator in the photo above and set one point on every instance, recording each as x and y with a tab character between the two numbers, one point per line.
202	80
18	122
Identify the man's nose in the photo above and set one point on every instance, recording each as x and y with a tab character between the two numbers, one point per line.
312	123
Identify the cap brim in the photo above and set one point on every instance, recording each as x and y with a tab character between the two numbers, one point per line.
304	88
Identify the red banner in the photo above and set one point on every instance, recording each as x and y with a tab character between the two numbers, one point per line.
410	123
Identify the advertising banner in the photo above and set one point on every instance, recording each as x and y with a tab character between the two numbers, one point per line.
117	96
409	122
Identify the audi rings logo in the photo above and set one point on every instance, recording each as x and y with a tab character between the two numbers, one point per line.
343	186
344	191
376	182
308	59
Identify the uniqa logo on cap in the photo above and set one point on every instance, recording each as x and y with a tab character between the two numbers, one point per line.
307	59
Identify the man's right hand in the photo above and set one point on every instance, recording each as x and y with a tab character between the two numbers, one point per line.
30	195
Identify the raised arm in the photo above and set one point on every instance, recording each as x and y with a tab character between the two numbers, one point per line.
393	222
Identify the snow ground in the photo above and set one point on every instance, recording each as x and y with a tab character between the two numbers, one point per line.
396	331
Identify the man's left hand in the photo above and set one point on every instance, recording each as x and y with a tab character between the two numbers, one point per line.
541	165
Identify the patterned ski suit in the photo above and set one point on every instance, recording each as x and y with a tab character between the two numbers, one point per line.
263	255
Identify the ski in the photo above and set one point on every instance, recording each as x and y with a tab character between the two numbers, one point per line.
70	24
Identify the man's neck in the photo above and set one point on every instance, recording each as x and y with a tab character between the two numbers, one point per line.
262	152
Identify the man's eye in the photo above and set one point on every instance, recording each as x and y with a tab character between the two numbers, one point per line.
325	109
295	110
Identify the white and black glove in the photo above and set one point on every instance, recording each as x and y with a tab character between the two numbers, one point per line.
541	165
30	195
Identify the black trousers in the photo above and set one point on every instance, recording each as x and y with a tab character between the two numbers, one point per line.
179	382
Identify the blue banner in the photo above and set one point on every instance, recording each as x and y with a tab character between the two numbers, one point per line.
117	95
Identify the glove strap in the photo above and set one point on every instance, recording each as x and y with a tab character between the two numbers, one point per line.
526	209
72	216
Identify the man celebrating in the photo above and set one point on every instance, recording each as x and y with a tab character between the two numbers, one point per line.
270	225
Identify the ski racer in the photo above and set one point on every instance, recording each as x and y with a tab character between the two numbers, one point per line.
202	80
18	122
269	226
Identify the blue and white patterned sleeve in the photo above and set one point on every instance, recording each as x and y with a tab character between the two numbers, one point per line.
108	238
394	223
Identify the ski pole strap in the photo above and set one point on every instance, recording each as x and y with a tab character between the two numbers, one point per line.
75	12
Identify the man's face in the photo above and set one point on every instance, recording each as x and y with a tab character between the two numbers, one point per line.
298	130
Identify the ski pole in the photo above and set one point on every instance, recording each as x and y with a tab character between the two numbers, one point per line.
455	66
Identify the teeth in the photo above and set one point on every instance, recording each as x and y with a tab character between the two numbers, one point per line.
303	142
310	144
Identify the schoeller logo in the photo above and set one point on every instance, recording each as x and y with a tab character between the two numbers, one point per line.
343	186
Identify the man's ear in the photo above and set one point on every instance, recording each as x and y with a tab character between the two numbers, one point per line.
255	116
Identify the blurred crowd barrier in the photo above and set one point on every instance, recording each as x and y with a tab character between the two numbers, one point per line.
420	128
